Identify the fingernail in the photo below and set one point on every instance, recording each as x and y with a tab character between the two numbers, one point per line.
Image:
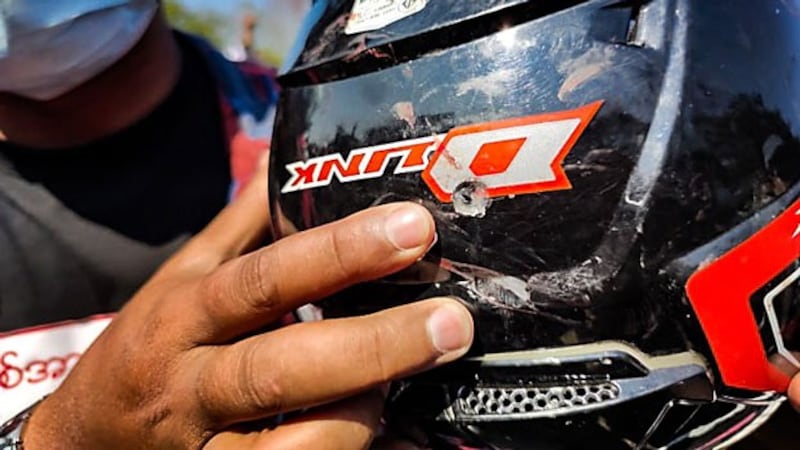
408	227
430	247
450	329
433	244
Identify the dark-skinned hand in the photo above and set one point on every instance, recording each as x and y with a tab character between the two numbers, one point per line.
184	365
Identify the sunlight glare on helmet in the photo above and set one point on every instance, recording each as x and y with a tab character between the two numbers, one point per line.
507	37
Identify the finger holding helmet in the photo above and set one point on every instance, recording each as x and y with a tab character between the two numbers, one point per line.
794	392
184	365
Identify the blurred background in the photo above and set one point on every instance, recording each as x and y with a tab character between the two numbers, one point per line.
263	30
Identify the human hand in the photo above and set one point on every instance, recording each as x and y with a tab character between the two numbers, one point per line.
794	392
186	363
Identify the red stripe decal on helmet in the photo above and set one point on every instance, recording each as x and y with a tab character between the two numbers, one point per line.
721	291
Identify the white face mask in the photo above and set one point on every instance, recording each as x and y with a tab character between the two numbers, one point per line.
50	47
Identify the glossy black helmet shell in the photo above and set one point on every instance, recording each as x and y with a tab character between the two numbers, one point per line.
597	170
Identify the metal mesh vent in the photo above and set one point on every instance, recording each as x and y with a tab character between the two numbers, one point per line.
532	400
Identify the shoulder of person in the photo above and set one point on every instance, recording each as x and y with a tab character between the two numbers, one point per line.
240	81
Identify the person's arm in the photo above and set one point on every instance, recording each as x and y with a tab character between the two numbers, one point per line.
184	364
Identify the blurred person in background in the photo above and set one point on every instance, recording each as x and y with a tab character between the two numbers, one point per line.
120	140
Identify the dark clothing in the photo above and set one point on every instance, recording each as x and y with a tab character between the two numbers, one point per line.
82	228
163	177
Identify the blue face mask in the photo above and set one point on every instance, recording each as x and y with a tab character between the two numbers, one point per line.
49	47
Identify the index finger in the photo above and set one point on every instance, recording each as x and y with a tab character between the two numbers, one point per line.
255	290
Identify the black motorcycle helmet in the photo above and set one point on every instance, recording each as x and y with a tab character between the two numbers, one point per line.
615	188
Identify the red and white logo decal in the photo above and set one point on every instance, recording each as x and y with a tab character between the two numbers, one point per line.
361	164
509	157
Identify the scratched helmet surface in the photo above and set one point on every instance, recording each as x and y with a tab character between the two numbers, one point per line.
615	189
